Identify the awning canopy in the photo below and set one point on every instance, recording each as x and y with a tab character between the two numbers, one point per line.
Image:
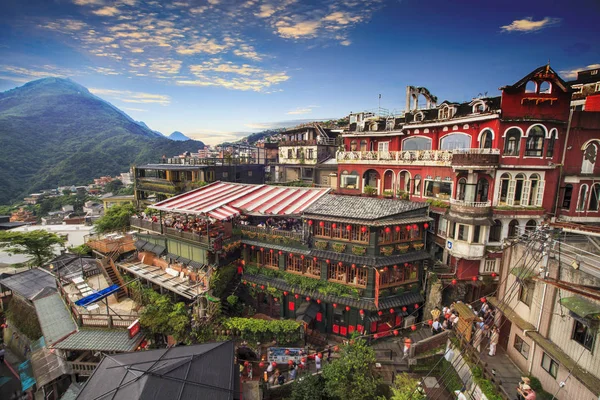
581	307
225	200
142	245
522	272
307	312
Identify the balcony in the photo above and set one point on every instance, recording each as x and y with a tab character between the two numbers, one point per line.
408	157
155	227
488	158
82	368
472	204
157	185
463	249
470	209
273	236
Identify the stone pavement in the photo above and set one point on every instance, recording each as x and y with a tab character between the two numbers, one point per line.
505	370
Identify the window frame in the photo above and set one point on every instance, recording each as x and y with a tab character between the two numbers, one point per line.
519	344
526	292
515	135
553	372
587	335
534	145
440	182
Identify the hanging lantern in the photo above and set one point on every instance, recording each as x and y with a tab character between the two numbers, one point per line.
391	310
244	245
483	299
363	229
320	355
246	363
406	264
262	249
408	227
302	257
340	263
297	295
385	268
430	322
395	267
376	336
303	360
280	252
425	225
334	305
397	229
454	281
261	364
347	308
336	348
353	266
328	261
287	352
285	293
361	312
274	364
413	327
307	298
315	259
474	278
494	274
243	262
271	251
275	299
415	227
310	222
404	309
321	224
348	227
262	287
387	229
334	225
290	363
318	301
254	285
395	332
252	247
291	254
244	282
379	312
416	306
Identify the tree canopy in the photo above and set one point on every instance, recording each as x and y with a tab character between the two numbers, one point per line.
405	388
310	387
116	218
39	244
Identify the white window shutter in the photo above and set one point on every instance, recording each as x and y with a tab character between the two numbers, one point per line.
510	196
540	194
525	193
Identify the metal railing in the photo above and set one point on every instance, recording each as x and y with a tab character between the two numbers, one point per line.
475	204
82	368
442	157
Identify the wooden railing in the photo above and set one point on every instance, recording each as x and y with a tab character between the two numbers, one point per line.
144	224
425	157
298	236
82	368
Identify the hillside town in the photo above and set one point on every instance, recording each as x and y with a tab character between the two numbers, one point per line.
446	251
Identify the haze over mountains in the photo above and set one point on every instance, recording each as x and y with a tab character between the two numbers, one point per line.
54	132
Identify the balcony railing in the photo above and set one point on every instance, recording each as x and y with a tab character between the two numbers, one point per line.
292	235
425	157
474	204
82	368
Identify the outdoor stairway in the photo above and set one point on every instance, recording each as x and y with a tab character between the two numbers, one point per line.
112	275
230	289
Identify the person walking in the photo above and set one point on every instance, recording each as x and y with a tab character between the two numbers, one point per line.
407	344
318	361
478	336
525	381
527	393
436	327
460	394
494	338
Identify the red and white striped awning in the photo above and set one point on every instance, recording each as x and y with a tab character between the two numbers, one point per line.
224	200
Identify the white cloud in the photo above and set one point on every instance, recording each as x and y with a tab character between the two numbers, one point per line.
572	73
527	25
106	11
65	25
302	110
104	70
203	45
128	96
164	66
88	2
134	109
295	30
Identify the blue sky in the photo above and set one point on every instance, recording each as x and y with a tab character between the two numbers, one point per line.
214	69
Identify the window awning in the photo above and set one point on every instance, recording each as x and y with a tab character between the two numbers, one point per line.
522	272
307	312
582	307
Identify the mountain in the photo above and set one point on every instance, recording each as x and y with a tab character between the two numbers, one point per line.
143	125
54	132
178	136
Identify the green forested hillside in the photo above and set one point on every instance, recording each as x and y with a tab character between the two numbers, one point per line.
55	132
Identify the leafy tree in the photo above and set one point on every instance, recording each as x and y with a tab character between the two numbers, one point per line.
125	191
81	250
113	186
352	375
66	192
38	244
310	387
115	219
405	388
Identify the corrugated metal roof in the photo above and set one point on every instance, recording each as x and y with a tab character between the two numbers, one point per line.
100	340
224	200
55	319
28	283
47	366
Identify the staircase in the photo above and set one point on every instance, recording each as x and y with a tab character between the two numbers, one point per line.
112	275
230	289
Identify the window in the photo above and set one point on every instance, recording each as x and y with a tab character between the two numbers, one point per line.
577	89
489	265
597	88
417	185
353	145
589	159
496	231
583	335
462	187
582	197
513	228
363	145
419	117
311	154
444	113
521	346
476	233
512	142
526	292
535	142
486	139
416	143
455	141
545	87
549	365
383	147
404	181
463	232
478	108
594	194
566	203
530	226
482	190
349	181
505	183
551	143
438	189
520	184
531	87
307	173
290	153
533	186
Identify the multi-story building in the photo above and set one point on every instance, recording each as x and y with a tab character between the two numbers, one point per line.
587	84
156	182
489	167
307	154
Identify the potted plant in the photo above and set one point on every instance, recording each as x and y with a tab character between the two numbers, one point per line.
402	195
359	250
388	194
402	248
338	247
387	250
370	190
321	244
418	245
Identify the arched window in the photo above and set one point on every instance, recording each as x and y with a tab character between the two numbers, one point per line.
581	200
551	143
462	188
478	108
530	226
513	228
594	197
534	187
483	187
419	117
486	139
566	203
444	112
372	146
404	181
545	87
363	145
455	141
496	231
353	145
531	87
505	183
349	180
416	143
512	142
589	159
520	185
417	185
535	142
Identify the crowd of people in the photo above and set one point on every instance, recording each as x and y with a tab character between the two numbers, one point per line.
182	223
284	224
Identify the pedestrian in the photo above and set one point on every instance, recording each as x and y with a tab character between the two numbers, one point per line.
407	343
436	327
525	381
318	361
276	377
527	392
293	372
281	379
494	338
270	368
478	336
460	394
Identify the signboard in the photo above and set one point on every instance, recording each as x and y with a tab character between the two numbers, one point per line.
449	245
376	288
278	354
134	328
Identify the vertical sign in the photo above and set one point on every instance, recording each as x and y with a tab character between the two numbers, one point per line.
376	288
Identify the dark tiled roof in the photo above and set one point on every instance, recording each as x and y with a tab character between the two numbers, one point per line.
362	208
100	340
203	371
371	261
275	246
382	222
405	299
28	283
462	110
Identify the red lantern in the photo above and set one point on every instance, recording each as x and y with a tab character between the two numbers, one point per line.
334	305
361	312
287	352
261	364
395	267
262	249
254	285
413	327
291	254
416	306
274	364
271	251
334	225
320	355
447	316
246	363
348	308
353	266
302	257
387	229
285	293
315	259
397	229
454	281
275	299
244	283
425	225
243	262
328	261
483	299
474	278
297	296
376	336
340	263
262	287
318	301
280	252
403	309
391	310
303	360
430	322
244	245
310	222
290	362
321	224
415	227
336	348
363	229
307	298
380	312
406	264
494	274
408	227
348	227
385	268
395	332
252	247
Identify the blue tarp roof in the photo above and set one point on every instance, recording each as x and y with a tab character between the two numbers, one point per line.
96	297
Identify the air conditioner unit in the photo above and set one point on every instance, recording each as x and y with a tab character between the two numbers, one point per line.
408	321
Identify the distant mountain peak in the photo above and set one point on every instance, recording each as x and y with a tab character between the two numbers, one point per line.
178	136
